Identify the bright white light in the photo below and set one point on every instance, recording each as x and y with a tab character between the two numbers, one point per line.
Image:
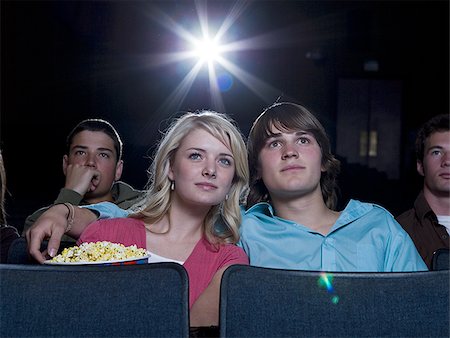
207	50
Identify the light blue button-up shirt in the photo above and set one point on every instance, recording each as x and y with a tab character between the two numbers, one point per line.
365	237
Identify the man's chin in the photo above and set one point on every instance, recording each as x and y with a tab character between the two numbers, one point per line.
91	193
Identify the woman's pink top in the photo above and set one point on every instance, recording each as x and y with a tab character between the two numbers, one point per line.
201	266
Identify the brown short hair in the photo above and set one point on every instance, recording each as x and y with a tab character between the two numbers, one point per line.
436	124
290	116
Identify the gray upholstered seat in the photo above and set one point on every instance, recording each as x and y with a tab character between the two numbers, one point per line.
145	300
261	302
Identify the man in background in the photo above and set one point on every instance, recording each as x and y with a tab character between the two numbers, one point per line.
428	222
93	166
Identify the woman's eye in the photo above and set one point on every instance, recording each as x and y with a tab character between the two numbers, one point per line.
195	156
435	152
225	161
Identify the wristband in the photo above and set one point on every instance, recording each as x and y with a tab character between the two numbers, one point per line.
70	217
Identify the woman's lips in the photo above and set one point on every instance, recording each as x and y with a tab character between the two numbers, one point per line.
206	185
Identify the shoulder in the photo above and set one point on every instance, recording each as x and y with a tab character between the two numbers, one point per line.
258	214
8	233
232	250
123	224
406	217
120	185
122	221
115	228
262	208
224	252
124	190
367	209
372	215
125	195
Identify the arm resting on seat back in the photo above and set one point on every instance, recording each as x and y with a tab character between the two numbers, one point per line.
65	196
106	210
52	225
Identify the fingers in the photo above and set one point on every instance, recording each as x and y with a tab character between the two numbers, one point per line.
51	224
54	242
34	241
94	183
81	178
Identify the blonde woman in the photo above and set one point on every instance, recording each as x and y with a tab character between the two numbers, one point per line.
190	213
7	233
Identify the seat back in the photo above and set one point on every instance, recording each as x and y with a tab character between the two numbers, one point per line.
145	300
262	302
441	260
18	251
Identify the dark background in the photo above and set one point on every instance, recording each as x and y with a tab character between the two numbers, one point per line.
64	61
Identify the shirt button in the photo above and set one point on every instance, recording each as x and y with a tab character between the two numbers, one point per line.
444	236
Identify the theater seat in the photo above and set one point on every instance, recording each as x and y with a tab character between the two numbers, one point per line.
145	300
18	254
262	302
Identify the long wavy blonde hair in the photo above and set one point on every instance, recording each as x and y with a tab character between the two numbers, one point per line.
222	222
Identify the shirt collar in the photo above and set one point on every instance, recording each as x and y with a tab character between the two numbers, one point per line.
422	207
262	207
352	211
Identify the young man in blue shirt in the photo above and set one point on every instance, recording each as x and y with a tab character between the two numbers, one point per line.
291	221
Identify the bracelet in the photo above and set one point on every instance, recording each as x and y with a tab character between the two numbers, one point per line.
70	217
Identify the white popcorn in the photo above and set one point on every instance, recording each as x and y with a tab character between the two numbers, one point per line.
99	251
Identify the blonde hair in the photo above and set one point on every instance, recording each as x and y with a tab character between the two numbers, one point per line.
222	222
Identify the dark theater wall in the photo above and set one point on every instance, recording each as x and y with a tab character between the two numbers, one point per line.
63	61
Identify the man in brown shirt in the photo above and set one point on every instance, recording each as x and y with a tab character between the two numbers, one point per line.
428	222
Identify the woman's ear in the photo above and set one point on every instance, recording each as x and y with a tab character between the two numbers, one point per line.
170	173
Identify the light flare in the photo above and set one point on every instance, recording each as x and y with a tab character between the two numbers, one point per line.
326	281
209	50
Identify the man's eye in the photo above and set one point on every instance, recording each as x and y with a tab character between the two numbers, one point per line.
104	155
274	144
79	152
303	140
